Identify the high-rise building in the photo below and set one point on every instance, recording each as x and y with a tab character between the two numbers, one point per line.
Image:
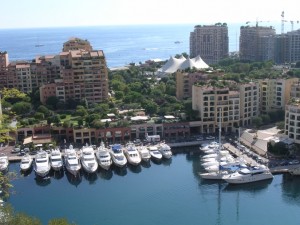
254	44
210	42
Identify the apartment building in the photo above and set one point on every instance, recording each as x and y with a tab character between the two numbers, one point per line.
275	93
210	42
185	81
249	102
292	120
255	44
77	44
208	101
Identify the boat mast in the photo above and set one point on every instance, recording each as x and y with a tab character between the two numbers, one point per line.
220	128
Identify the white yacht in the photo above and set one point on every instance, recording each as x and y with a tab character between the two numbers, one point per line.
71	159
216	175
248	175
144	153
26	163
88	159
117	155
155	154
209	146
56	161
41	164
132	154
165	150
3	163
103	157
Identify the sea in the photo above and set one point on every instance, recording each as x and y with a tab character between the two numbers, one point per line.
170	192
159	193
121	44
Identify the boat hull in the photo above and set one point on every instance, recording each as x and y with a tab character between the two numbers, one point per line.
248	179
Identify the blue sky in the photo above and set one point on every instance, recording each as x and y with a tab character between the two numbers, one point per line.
62	13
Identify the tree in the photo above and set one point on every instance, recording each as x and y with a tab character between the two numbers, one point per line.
39	116
21	108
13	95
257	122
43	109
52	102
81	111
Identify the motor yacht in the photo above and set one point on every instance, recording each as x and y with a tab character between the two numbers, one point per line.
144	153
88	159
209	146
41	164
72	162
56	161
165	150
155	154
103	157
248	175
3	163
26	163
132	154
117	155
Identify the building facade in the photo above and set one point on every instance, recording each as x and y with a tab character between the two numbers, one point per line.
210	42
255	44
208	101
275	93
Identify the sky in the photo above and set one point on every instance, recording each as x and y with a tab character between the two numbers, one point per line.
65	13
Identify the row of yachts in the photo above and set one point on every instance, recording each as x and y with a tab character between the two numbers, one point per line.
219	164
89	159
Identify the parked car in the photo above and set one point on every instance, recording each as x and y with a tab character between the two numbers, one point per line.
15	150
293	162
210	138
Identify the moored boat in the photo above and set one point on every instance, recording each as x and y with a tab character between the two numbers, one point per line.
132	155
3	162
165	150
56	161
72	162
26	163
88	159
144	153
117	155
41	164
103	157
155	154
249	175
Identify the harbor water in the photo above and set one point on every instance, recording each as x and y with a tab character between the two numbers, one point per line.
170	192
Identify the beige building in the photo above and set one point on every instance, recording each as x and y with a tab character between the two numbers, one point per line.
275	93
249	102
292	120
77	44
208	100
210	42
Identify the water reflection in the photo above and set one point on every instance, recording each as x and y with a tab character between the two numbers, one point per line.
167	162
57	174
155	161
90	177
26	173
121	171
105	174
290	189
42	181
146	164
135	169
72	179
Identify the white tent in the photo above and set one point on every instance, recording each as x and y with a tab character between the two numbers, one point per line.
174	64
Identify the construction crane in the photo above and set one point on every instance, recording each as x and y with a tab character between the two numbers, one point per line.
283	21
257	22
